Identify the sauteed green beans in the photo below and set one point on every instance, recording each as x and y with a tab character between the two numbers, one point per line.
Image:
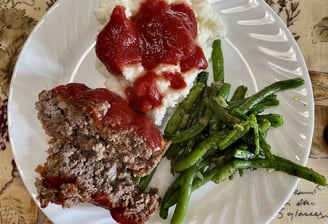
214	138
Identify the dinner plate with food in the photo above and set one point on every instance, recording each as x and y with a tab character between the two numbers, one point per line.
161	111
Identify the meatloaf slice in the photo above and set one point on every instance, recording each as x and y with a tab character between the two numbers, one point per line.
98	146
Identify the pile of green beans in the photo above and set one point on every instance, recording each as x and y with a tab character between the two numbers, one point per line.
214	138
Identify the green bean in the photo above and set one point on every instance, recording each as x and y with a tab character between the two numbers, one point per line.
271	89
265	146
220	101
224	172
278	164
270	100
215	87
220	159
264	125
207	176
276	120
299	171
185	150
172	194
193	131
224	91
240	153
214	141
222	114
196	128
239	93
220	141
144	181
173	150
170	201
217	61
284	165
215	125
185	120
185	105
199	107
234	104
202	105
197	153
235	134
184	196
238	114
260	107
189	145
193	114
137	179
170	197
256	140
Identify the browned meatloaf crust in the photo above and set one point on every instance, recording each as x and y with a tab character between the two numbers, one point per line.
89	163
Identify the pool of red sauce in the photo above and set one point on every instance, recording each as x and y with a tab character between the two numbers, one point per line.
159	33
120	115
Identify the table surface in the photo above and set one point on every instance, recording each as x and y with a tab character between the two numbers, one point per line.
307	20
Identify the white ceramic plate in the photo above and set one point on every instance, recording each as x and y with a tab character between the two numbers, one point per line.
258	50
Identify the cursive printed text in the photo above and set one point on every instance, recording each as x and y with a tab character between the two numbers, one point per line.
303	206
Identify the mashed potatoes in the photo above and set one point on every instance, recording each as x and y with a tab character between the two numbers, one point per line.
209	28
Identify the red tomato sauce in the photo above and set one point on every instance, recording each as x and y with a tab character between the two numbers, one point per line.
144	95
176	80
159	33
116	212
119	116
54	183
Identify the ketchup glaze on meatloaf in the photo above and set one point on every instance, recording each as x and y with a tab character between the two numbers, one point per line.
98	145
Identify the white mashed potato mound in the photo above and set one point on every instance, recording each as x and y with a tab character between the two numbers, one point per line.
209	28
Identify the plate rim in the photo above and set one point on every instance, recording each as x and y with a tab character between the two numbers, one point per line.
54	7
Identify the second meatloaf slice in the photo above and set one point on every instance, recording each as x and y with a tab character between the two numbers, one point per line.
98	146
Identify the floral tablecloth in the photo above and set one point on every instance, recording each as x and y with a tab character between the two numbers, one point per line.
307	20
